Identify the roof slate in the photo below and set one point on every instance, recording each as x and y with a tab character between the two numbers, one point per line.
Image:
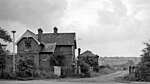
87	53
59	38
50	40
48	47
33	34
28	33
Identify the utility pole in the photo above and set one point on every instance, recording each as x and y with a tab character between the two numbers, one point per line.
13	50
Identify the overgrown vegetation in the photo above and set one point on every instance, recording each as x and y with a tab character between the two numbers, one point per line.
3	52
56	59
90	61
142	72
26	68
85	69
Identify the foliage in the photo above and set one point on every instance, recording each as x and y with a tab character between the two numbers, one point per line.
2	59
142	72
85	69
45	75
5	37
26	68
56	60
80	75
91	61
66	71
6	75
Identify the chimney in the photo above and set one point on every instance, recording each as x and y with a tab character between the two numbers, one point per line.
55	30
40	32
79	51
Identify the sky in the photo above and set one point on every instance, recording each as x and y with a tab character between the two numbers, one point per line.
105	27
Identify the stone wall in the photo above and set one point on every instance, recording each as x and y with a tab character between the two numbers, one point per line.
21	47
67	62
68	54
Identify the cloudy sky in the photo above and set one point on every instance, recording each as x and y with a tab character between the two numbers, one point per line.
106	27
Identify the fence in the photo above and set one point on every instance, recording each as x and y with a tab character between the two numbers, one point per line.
132	69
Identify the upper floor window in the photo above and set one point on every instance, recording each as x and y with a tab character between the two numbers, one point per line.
28	43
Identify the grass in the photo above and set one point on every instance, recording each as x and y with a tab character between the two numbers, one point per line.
126	79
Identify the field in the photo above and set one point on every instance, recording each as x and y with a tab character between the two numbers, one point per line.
117	60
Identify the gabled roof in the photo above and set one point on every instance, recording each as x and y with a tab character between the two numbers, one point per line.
59	38
29	34
48	47
87	53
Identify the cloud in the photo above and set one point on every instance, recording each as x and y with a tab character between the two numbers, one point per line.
107	27
114	15
119	7
34	13
21	15
117	25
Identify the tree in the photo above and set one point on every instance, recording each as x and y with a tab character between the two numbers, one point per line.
142	72
4	35
6	38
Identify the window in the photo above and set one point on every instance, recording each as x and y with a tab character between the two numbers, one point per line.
28	43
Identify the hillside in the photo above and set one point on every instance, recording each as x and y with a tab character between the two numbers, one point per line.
117	60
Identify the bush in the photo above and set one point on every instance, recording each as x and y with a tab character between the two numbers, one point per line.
81	75
66	72
142	72
25	68
96	69
47	75
37	75
7	75
85	69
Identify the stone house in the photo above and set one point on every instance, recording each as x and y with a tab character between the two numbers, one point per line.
42	46
90	57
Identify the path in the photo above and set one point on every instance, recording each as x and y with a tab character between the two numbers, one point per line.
107	79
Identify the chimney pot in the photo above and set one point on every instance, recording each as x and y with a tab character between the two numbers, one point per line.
79	51
40	32
55	30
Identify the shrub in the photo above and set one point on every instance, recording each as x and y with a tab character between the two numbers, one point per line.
142	72
25	68
66	72
85	69
7	75
47	75
80	75
96	69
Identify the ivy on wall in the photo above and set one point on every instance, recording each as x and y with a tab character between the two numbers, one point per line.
26	68
56	59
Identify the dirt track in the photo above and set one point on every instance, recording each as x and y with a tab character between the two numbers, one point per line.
107	79
101	79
